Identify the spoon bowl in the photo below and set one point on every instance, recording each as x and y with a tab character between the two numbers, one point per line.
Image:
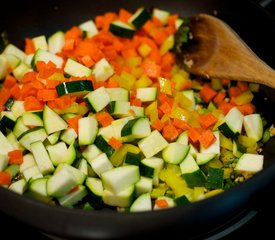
217	51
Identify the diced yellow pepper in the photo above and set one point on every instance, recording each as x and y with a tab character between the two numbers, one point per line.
143	81
183	101
157	192
56	76
198	193
213	193
151	111
176	183
165	85
127	81
227	172
247	142
165	118
226	142
167	44
244	98
118	157
133	61
215	163
144	49
137	72
181	80
179	113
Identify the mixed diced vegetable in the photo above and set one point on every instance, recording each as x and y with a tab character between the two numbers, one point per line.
102	116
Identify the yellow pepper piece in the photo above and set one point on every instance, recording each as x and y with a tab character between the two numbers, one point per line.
133	62
143	81
226	142
176	183
144	49
127	81
198	193
165	85
167	44
247	142
181	80
183	101
118	157
179	113
244	98
152	111
57	77
213	193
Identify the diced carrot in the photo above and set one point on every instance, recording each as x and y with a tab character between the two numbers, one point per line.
124	15
9	81
207	138
5	178
29	46
52	83
225	82
31	104
4	96
15	157
104	118
225	107
207	120
130	52
115	143
181	124
219	98
161	203
207	93
193	134
160	35
152	70
73	33
85	48
167	61
69	44
234	91
162	97
165	108
29	77
15	92
136	102
46	95
148	26
112	84
246	109
87	61
157	124
64	102
170	133
157	22
73	122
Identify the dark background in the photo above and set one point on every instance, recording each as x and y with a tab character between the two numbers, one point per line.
253	224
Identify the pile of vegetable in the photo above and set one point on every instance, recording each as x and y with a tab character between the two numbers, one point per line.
102	116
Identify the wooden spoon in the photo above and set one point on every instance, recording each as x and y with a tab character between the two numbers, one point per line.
218	52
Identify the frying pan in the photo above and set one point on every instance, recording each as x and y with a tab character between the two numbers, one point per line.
30	18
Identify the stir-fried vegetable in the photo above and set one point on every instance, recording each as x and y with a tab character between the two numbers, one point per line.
102	116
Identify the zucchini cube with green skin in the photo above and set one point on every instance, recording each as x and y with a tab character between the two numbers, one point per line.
19	186
191	172
38	190
151	167
142	203
152	144
95	189
214	178
75	88
175	153
232	123
13	50
138	128
101	164
253	126
144	185
89	28
4	160
120	178
139	18
87	130
118	94
31	136
45	56
122	29
98	99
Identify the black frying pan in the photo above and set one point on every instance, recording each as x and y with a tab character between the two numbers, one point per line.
30	18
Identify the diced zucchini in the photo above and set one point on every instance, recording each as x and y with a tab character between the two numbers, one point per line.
118	94
32	173
148	94
20	70
45	56
214	178
89	28
75	88
4	65
138	128
251	163
253	126
139	18
32	119
103	70
87	130
101	164
19	186
152	144
95	188
232	123
122	29
38	190
41	157
90	152
40	42
119	108
68	135
150	167
132	158
54	137
175	153
161	15
120	178
28	161
121	199
52	121
98	99
142	203
73	197
15	51
144	185
78	175
56	42
76	69
31	136
182	200
183	138
214	147
203	158
4	160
